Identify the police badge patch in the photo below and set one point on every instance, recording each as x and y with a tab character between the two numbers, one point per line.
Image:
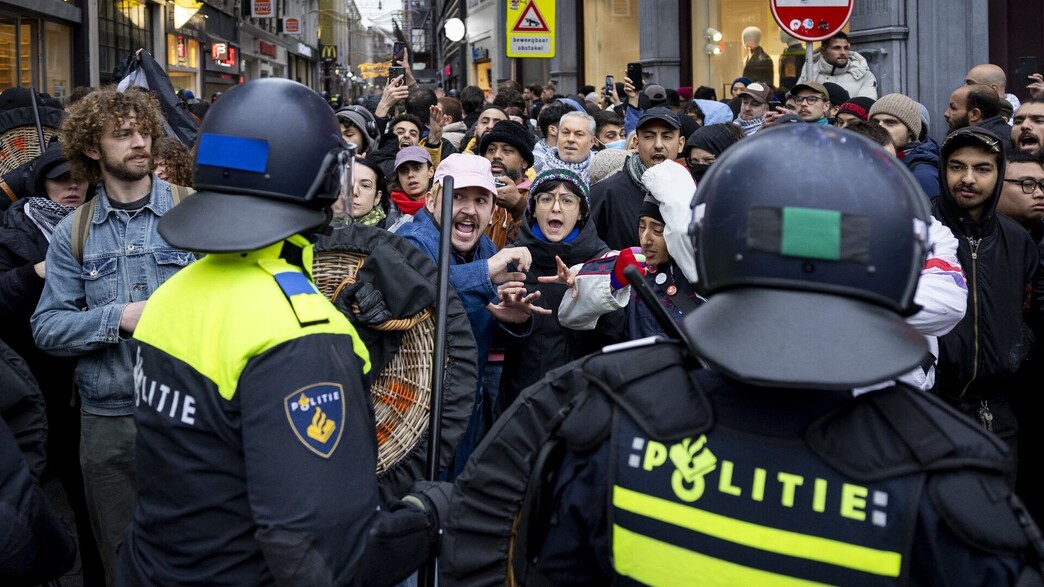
316	415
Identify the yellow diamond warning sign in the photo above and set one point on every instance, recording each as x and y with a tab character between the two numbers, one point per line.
531	28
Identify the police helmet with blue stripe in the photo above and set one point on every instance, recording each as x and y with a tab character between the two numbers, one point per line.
270	162
808	272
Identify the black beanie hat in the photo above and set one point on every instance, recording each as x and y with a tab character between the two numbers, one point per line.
512	133
713	138
650	208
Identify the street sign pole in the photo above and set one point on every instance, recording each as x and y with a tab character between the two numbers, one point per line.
809	58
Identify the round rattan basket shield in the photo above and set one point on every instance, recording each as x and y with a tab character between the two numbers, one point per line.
401	347
19	139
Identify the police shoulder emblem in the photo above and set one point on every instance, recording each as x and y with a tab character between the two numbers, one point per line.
316	415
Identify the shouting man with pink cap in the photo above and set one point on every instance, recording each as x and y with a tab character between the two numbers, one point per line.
488	282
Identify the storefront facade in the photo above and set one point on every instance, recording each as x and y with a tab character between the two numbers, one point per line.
263	53
301	65
223	57
185	53
37	39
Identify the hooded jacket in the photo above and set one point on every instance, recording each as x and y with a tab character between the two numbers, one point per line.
855	77
999	258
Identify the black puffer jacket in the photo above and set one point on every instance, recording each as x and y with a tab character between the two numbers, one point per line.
549	346
986	348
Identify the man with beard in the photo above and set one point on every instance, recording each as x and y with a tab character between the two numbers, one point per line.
1027	130
487	119
754	103
488	282
980	356
91	301
615	202
976	105
838	63
510	154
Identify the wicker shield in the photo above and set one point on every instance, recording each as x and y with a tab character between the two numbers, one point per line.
402	347
19	139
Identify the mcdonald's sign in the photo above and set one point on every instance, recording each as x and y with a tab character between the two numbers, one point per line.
328	53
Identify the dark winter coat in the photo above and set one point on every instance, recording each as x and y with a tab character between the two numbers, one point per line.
922	159
22	245
550	345
615	202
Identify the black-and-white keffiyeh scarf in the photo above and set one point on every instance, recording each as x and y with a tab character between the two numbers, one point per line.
46	214
749	126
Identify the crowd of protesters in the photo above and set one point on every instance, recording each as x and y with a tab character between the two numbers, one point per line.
554	196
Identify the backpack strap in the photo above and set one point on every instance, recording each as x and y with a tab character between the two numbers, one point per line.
81	228
85	214
179	193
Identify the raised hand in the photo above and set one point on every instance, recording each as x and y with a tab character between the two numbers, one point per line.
514	304
498	264
565	276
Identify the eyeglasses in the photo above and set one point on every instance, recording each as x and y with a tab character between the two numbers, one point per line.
568	202
810	100
1028	184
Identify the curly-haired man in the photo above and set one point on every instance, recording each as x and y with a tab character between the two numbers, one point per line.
102	265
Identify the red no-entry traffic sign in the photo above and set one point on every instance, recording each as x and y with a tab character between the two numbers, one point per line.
811	20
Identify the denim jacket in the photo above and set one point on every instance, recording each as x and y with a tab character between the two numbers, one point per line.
124	260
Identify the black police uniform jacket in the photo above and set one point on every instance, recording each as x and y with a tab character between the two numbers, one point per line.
256	447
710	481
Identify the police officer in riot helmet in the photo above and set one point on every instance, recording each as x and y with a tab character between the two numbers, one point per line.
256	439
785	453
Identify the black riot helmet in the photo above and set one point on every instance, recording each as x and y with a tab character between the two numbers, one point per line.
808	268
270	161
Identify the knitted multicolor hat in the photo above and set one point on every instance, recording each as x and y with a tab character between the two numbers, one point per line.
559	174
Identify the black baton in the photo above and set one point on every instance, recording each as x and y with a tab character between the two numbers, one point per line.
670	327
427	575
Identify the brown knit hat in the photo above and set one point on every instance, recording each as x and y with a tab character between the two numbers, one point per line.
901	107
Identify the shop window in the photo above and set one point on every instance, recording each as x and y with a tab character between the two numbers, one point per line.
58	40
124	26
778	62
19	61
8	54
612	37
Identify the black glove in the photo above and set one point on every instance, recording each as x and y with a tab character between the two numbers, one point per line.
372	309
431	497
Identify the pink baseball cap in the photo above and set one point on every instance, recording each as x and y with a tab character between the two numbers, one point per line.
467	171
